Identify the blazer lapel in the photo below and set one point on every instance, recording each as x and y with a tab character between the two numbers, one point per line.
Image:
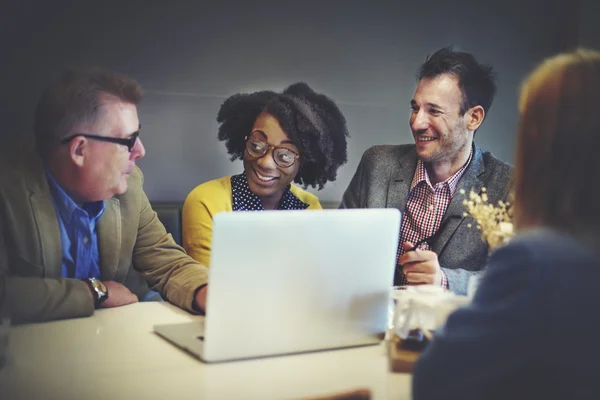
109	239
454	214
400	181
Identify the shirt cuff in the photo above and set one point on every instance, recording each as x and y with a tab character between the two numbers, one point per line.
444	283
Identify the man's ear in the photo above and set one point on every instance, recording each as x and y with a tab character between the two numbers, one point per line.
78	149
475	117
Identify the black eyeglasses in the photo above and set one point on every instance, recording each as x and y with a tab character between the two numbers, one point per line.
283	157
129	142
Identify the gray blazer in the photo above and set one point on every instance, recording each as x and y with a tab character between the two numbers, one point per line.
383	180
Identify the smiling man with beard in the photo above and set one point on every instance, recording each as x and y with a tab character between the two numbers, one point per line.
453	95
77	230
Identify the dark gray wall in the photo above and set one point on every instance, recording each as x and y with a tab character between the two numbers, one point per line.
191	55
589	24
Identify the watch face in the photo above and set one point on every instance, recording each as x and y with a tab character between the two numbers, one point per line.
100	286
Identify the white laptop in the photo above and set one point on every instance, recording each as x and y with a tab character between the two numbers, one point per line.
284	282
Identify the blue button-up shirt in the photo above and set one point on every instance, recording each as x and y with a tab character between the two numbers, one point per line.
80	257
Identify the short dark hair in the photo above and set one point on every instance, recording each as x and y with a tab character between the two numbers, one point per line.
75	97
312	121
476	81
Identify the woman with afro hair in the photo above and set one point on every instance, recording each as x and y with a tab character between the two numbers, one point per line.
294	136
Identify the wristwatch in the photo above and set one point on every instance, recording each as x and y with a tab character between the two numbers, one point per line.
99	291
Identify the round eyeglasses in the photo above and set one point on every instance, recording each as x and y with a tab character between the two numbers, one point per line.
283	157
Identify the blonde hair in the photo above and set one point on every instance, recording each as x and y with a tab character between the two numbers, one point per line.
558	142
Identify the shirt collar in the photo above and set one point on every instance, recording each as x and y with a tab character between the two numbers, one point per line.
422	176
65	205
245	200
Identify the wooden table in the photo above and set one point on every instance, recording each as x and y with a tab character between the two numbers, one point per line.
115	355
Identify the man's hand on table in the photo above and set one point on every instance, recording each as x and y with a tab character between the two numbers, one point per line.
420	266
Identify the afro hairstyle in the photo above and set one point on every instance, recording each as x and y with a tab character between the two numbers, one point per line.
312	121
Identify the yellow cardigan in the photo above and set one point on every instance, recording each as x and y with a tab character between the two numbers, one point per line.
208	199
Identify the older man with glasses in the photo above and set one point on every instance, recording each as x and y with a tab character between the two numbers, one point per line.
77	228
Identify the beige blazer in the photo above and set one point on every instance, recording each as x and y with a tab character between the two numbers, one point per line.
129	236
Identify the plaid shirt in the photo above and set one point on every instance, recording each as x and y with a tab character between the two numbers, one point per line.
425	208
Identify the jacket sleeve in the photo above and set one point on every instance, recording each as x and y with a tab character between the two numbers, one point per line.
163	263
36	299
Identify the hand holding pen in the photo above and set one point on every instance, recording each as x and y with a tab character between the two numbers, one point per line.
420	266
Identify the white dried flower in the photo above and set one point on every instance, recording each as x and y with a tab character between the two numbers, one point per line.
495	222
506	228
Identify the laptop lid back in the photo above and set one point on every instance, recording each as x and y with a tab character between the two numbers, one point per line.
294	281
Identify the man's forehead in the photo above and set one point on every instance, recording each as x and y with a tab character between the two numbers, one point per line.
116	117
442	90
108	101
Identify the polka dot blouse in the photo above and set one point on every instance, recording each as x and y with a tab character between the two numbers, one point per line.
245	200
